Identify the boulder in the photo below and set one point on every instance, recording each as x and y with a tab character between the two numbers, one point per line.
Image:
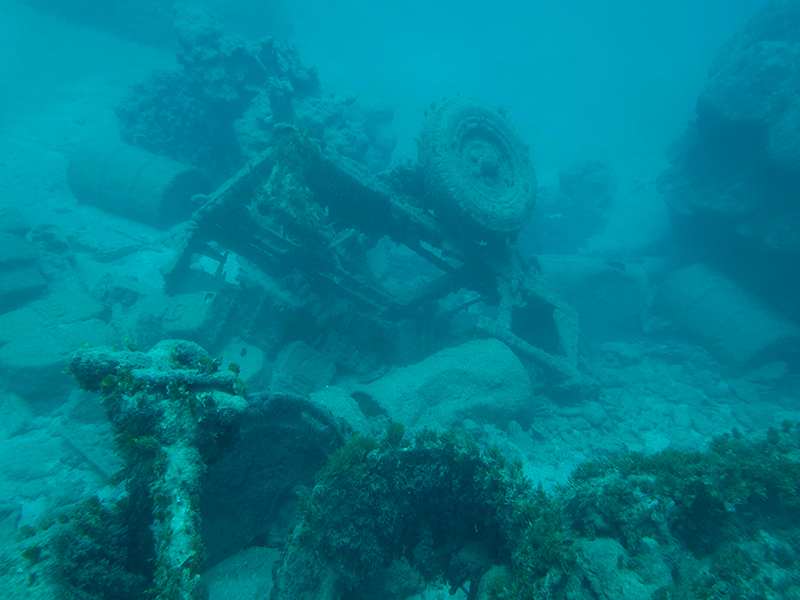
195	316
20	280
481	380
37	339
300	369
608	295
723	317
733	184
603	561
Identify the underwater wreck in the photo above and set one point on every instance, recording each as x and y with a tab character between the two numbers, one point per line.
282	206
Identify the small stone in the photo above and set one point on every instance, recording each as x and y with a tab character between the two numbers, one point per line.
595	414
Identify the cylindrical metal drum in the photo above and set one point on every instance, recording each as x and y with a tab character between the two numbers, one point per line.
727	320
131	182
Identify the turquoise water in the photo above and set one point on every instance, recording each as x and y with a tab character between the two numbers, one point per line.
469	292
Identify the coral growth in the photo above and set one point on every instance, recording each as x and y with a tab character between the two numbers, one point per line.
437	501
685	525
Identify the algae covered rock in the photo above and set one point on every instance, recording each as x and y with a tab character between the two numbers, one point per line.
712	524
189	114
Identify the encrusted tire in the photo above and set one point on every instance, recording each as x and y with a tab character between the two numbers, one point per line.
477	171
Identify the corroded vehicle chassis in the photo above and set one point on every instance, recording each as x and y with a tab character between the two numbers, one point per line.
359	209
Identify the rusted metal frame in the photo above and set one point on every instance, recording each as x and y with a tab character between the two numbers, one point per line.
402	222
342	284
259	250
442	286
516	289
465	305
560	366
409	225
377	210
565	316
238	190
321	267
257	243
269	250
433	290
314	264
415	245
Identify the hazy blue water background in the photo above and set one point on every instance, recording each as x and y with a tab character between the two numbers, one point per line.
614	80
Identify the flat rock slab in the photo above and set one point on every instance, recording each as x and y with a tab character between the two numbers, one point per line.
42	470
12	221
107	243
15	249
18	284
37	339
244	576
196	316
